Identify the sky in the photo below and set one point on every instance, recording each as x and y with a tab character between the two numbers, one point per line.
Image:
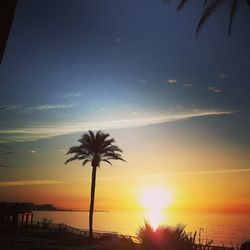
177	104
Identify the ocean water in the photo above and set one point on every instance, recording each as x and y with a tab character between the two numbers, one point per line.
222	228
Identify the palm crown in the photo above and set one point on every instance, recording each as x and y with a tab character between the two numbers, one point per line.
95	148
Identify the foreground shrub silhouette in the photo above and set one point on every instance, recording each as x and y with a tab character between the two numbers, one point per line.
168	238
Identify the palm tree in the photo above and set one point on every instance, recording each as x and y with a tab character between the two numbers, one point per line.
94	148
210	7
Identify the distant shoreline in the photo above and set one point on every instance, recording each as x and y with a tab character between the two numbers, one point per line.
47	207
68	210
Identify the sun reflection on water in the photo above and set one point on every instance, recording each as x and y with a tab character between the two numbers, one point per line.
155	217
155	200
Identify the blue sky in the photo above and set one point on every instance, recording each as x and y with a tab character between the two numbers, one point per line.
94	60
75	65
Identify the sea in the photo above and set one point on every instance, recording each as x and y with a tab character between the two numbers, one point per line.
228	229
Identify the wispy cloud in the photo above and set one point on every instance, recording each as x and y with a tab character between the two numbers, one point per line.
201	172
214	90
221	74
61	150
72	95
14	107
49	130
10	107
49	107
171	81
209	172
28	183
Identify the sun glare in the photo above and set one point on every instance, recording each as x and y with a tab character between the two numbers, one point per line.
155	200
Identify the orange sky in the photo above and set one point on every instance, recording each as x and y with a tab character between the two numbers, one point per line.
208	177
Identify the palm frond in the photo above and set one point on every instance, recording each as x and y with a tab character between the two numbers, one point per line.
92	135
105	160
210	7
181	5
205	2
113	156
207	13
73	150
71	159
95	148
85	162
180	232
145	233
87	141
113	148
84	156
106	144
235	4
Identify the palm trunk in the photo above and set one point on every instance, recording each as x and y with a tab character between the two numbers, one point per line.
92	200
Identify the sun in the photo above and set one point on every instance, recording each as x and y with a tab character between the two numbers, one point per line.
155	200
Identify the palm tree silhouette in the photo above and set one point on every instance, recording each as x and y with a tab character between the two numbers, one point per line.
210	7
94	148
